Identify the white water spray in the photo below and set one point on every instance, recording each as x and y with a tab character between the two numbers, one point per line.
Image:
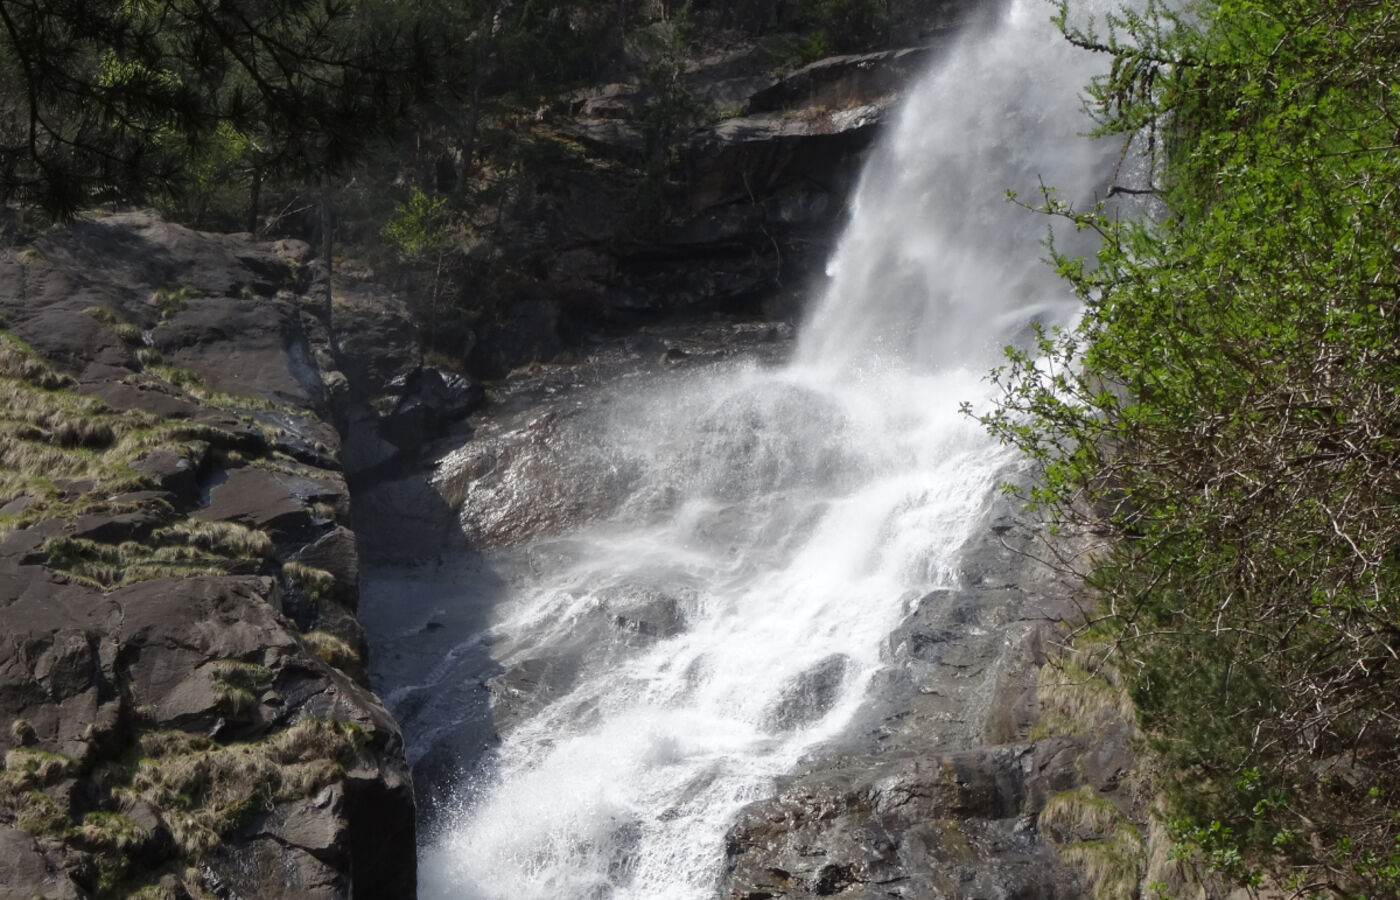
780	523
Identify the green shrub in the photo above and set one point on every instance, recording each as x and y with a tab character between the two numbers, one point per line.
420	228
1228	413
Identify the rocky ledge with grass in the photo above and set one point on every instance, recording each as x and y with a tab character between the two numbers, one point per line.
181	670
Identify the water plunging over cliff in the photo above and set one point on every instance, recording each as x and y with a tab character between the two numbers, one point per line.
763	531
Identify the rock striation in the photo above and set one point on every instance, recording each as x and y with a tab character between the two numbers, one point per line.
182	687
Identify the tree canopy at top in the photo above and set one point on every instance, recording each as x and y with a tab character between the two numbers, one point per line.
104	99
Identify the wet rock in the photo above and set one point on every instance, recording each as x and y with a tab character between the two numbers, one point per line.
305	438
269	867
937	791
527	686
651	618
425	402
810	695
569	479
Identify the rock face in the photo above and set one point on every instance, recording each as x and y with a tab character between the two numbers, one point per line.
181	681
734	209
942	793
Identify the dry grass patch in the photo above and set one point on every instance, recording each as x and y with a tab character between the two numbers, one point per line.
225	538
26	766
203	790
238	684
330	649
19	361
200	790
316	583
169	301
49	434
190	548
127	331
27	772
1079	693
1095	839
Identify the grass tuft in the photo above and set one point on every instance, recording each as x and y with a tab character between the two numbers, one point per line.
1097	841
204	790
19	361
126	331
316	583
1078	694
238	684
169	301
330	649
191	548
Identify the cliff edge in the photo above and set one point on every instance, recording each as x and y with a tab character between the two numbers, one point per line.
181	670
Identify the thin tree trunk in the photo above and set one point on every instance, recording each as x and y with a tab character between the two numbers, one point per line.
254	202
326	243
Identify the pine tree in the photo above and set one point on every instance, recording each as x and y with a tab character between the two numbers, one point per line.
112	100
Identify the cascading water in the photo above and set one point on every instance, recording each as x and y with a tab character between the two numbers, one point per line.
771	527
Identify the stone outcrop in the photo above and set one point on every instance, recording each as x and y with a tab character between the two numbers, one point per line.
181	679
760	194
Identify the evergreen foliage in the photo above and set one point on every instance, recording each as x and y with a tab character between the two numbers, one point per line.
1227	413
115	100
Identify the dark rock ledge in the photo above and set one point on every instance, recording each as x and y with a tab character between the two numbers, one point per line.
182	691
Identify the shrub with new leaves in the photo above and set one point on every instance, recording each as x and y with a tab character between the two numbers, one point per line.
1227	413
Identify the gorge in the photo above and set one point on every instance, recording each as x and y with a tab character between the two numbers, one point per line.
635	451
693	568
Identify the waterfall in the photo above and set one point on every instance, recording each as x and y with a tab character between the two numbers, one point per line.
775	525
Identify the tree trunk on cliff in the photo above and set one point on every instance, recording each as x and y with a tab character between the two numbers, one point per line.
326	240
254	202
